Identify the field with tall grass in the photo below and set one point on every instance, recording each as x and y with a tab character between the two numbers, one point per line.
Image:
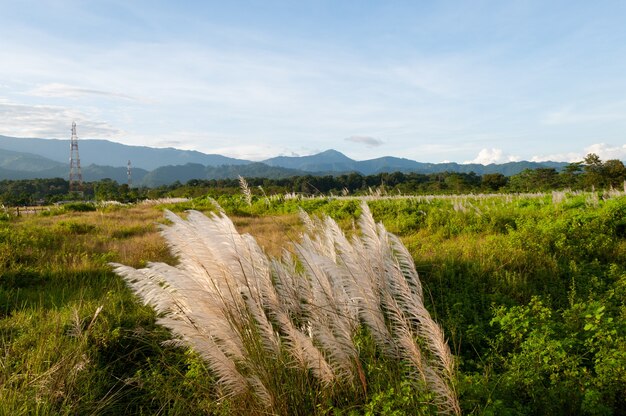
501	304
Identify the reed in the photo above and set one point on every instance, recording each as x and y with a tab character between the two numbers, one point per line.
270	327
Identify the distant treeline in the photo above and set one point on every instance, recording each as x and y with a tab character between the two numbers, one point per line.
592	172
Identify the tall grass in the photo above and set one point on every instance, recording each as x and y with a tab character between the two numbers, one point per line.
62	311
296	333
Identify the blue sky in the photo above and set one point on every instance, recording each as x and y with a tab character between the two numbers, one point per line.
483	81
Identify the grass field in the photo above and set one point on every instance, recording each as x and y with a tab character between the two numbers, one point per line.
530	293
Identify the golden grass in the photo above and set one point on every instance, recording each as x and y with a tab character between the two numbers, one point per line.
125	234
130	235
273	233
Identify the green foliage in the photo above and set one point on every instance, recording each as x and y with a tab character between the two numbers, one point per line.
74	227
79	207
530	292
399	402
565	361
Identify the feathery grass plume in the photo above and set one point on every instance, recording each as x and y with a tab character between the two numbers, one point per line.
245	190
259	321
377	271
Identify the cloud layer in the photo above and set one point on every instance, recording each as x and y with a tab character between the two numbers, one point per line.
69	91
489	156
47	121
366	140
603	150
435	82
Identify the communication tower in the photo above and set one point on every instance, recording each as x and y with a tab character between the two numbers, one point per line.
128	173
76	177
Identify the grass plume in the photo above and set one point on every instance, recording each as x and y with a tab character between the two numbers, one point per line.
269	327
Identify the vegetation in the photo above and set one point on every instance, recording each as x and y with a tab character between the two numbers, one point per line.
267	327
529	290
584	175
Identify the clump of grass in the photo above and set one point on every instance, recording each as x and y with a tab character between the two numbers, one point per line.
79	207
74	227
288	334
131	230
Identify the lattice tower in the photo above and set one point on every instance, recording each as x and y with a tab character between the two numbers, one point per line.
76	177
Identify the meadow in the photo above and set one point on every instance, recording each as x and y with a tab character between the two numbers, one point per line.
529	290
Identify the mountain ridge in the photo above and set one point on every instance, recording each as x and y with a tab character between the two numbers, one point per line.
29	158
108	153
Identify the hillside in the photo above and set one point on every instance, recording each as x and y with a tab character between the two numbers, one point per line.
167	174
26	162
334	161
107	153
27	158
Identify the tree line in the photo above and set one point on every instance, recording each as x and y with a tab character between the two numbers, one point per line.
588	174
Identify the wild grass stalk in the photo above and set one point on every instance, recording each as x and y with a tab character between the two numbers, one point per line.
245	190
268	327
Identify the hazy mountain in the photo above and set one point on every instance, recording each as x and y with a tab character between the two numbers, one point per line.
107	153
328	161
27	158
334	161
118	174
26	162
168	174
387	164
19	165
507	169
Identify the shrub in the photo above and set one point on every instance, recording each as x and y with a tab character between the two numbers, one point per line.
79	207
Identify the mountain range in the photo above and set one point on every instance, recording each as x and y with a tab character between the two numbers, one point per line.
29	158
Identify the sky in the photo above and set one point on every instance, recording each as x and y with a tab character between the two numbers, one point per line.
433	81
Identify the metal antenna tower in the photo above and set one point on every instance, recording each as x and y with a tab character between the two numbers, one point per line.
128	173
76	177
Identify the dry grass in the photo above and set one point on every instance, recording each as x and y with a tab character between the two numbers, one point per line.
274	234
128	234
54	281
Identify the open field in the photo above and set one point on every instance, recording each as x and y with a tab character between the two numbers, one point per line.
530	292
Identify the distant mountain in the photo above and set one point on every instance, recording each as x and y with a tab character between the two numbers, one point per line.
25	162
19	165
28	158
507	169
334	161
167	174
388	164
107	153
118	174
328	161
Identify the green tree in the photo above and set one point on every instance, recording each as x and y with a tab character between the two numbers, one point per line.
106	190
614	173
593	170
571	175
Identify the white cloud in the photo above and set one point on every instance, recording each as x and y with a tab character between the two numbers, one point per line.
366	140
558	157
605	151
290	154
69	91
25	120
488	156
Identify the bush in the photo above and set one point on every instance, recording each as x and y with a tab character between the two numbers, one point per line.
79	207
